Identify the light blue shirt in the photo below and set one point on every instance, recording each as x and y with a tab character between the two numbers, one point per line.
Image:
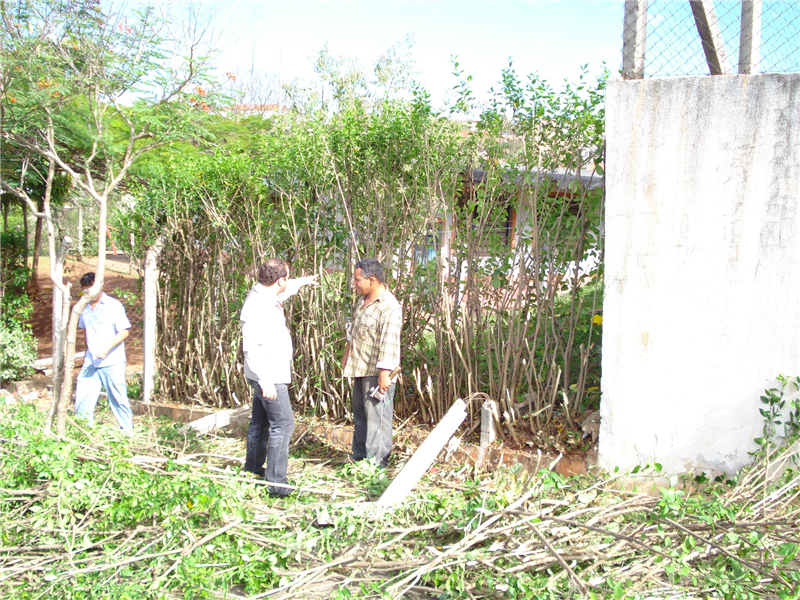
102	325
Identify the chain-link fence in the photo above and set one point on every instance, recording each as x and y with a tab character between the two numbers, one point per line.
701	37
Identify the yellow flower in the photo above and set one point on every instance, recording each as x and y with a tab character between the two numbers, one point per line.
597	319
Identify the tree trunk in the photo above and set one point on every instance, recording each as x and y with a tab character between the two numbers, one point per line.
80	230
25	231
6	206
72	330
57	277
150	309
33	284
61	300
61	303
69	361
60	323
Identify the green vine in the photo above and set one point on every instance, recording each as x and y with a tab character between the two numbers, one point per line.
782	408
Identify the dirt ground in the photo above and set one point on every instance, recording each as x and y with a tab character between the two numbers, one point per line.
118	274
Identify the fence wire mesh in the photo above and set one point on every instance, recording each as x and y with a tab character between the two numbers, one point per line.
673	37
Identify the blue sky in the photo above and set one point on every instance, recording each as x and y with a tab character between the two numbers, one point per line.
551	38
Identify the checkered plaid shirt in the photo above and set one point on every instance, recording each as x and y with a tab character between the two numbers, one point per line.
375	338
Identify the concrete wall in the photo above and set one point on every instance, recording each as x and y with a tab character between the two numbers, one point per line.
702	305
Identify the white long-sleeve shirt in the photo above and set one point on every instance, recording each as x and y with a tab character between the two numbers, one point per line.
265	336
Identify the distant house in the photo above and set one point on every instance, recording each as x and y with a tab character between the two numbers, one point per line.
512	224
559	183
516	217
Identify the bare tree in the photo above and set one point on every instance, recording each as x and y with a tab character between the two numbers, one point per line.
89	93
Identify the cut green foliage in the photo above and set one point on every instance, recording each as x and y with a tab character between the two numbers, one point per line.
168	515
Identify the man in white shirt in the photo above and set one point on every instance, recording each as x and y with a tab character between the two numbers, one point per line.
107	327
268	368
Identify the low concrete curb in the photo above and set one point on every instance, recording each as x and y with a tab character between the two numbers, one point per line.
177	412
40	383
493	458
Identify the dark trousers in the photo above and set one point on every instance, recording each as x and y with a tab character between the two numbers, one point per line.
372	431
268	436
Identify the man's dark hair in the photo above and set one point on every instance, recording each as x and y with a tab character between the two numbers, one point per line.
370	267
87	280
272	270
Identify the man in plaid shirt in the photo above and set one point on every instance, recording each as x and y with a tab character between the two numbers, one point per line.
372	352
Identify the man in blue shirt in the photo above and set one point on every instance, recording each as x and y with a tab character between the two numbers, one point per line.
106	326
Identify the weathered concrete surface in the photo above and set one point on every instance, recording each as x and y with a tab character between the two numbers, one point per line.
221	419
702	304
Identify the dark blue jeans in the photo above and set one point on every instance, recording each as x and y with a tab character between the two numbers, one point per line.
372	422
268	436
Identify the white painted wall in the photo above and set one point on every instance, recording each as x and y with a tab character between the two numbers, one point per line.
702	305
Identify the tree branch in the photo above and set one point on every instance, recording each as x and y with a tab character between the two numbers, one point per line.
22	195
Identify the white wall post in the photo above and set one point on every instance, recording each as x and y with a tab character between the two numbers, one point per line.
423	458
634	39
750	37
702	266
150	307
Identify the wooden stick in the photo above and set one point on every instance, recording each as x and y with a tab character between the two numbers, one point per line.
561	561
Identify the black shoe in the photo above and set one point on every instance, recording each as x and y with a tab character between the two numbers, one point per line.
276	492
278	495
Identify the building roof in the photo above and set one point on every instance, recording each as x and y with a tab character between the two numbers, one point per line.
560	176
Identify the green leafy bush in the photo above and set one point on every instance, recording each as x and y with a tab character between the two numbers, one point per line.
135	387
14	274
782	407
17	351
17	345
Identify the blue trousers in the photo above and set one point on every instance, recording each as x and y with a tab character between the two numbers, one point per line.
112	378
372	422
268	437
